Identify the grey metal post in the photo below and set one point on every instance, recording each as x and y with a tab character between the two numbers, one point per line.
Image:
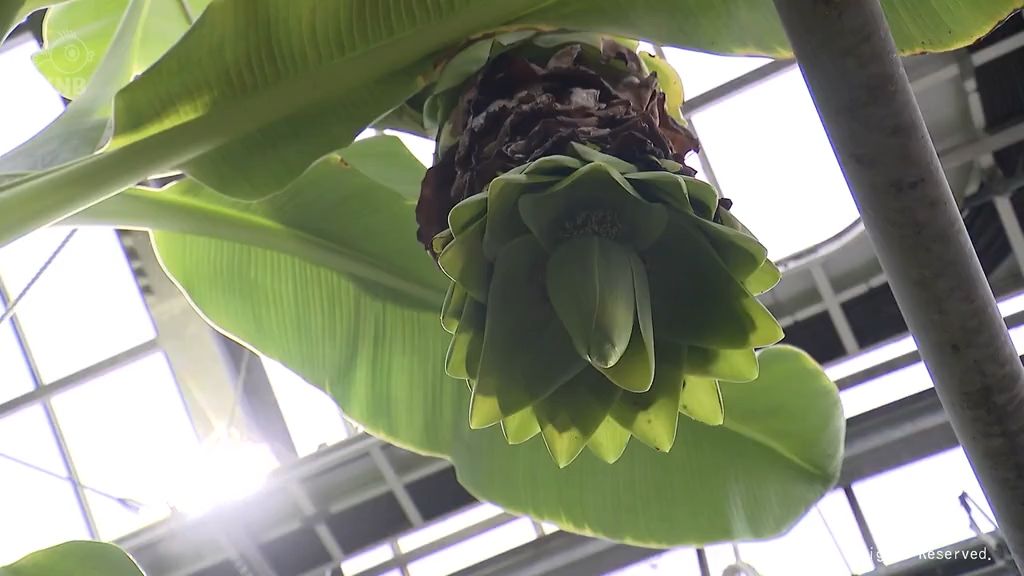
857	80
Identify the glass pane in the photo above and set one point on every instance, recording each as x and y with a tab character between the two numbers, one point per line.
869	358
15	377
115	518
36	511
313	418
720	557
130	436
916	508
701	71
838	518
86	307
475	550
771	156
682	562
367	559
808	549
26	436
422	148
897	384
437	530
885	389
29	103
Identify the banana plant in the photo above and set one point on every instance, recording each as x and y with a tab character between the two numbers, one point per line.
557	306
74	558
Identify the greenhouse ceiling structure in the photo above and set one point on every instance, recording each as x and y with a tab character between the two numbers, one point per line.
125	417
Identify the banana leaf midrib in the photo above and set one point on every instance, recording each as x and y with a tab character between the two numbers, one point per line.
298	85
147	209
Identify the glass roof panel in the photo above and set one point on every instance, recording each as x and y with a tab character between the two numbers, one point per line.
15	377
771	157
129	436
84	308
313	418
27	102
916	508
701	71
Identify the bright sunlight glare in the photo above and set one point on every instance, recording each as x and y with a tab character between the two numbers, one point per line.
224	469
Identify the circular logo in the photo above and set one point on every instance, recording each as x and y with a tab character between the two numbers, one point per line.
70	55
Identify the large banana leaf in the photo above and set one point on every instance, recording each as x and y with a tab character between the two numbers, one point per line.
777	452
14	11
92	49
351	212
258	89
339	244
75	559
326	275
83	127
752	27
77	36
273	274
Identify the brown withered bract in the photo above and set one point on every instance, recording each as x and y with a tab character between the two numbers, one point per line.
515	111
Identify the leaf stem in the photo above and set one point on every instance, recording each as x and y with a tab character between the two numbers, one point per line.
144	209
187	12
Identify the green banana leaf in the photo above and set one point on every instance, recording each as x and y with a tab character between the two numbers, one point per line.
275	275
777	452
246	113
332	217
82	128
12	12
77	37
79	558
375	317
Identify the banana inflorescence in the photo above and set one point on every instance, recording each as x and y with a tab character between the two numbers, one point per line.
598	289
591	301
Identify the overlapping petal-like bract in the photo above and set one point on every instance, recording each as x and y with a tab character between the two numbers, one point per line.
592	301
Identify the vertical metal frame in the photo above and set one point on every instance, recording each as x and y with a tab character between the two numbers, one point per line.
51	419
856	77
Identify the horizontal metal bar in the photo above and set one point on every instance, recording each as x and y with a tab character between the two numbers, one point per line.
559	553
404	559
736	85
920	83
983	56
904	431
66	383
234	514
913	428
344	451
964	153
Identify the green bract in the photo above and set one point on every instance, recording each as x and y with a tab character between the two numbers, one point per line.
592	301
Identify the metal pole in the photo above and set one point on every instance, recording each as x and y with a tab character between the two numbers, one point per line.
862	525
702	562
858	83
